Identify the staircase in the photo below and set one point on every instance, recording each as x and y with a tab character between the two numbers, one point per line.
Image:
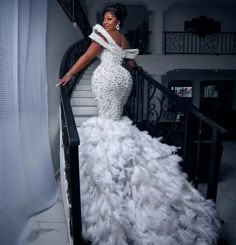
82	100
153	108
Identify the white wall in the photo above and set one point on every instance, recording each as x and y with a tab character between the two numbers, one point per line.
175	16
60	35
161	64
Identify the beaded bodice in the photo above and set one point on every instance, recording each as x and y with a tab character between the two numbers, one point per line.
111	83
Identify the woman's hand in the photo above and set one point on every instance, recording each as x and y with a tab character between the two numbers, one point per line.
63	81
131	63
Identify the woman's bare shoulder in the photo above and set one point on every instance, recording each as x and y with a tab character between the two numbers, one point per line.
119	38
124	42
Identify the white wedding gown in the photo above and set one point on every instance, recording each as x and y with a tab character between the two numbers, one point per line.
132	189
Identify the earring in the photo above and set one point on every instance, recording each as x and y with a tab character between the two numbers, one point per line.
117	27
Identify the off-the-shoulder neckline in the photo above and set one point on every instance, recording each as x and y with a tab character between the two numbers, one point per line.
122	49
110	36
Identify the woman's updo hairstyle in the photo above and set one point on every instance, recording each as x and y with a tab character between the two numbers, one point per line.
118	10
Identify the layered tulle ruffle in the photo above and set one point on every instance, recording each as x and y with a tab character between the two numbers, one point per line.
134	192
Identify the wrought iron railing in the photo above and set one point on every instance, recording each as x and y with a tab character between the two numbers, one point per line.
223	43
70	136
71	140
156	109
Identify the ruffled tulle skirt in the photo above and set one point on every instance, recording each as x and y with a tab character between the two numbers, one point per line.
134	192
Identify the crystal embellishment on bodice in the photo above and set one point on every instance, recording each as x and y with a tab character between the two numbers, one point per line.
111	83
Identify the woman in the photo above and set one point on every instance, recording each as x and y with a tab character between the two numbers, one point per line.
132	189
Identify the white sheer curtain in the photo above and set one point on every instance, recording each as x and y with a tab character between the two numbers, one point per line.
27	183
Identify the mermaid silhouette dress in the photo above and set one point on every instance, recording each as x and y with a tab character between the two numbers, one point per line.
132	188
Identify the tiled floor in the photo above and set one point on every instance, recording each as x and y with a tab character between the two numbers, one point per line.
50	226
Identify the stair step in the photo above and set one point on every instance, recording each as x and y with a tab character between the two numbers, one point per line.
80	120
84	106
84	82
95	63
89	71
86	76
85	111
83	102
82	94
82	87
92	67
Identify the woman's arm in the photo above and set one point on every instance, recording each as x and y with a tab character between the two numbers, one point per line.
93	50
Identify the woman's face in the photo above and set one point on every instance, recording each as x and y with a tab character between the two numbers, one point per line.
110	21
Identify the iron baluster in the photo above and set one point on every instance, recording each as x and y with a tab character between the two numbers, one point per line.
214	164
148	104
142	99
199	136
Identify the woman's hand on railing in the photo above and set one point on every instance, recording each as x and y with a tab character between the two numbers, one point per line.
63	81
131	63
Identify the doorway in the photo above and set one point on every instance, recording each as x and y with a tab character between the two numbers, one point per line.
216	100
